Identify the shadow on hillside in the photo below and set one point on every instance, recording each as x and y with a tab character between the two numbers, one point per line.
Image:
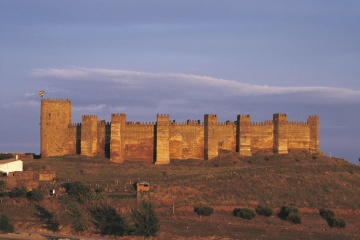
49	219
109	222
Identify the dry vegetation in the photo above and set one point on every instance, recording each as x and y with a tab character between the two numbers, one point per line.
229	181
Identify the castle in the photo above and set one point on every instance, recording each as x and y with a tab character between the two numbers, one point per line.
163	140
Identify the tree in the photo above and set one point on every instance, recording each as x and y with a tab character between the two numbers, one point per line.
146	222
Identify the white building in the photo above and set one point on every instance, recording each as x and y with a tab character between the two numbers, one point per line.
11	165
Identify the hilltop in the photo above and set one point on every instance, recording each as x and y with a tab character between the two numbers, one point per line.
308	181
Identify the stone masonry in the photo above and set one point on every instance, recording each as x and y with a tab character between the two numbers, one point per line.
164	139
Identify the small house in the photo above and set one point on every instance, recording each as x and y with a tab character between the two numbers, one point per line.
11	165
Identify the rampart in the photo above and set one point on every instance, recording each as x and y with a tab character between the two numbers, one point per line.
164	139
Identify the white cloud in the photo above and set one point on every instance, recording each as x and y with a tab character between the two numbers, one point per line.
22	104
189	82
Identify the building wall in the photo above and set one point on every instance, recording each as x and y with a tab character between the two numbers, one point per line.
227	135
164	140
298	135
7	166
139	141
261	136
186	140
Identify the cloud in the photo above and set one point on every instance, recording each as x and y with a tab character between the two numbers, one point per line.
21	104
191	84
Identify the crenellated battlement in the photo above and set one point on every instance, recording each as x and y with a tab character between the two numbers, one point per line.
163	140
89	117
56	100
228	122
74	124
140	123
297	123
263	123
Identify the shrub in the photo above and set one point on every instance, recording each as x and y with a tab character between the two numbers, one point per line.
145	220
290	213
203	210
326	213
294	217
245	213
263	210
2	185
5	225
78	190
17	192
336	222
35	195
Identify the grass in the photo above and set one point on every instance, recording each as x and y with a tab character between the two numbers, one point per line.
324	182
229	180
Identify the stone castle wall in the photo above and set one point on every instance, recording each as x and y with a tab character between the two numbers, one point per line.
163	140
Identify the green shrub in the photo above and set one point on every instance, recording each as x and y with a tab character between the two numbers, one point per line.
35	195
17	192
326	213
336	222
5	225
245	213
203	210
4	156
78	190
294	217
2	185
263	210
290	213
286	210
145	220
4	194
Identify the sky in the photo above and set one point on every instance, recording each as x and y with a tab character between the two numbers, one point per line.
183	58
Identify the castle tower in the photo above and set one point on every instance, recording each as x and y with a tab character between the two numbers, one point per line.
162	148
280	133
117	138
314	128
89	135
243	141
54	125
211	141
74	138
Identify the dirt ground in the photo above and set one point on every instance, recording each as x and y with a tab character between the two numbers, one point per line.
222	225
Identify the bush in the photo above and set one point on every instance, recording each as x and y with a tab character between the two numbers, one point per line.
263	210
78	190
145	220
5	225
17	192
203	210
290	213
336	222
2	185
294	217
35	195
326	213
245	213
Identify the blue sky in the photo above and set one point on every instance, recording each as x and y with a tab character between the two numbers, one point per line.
184	58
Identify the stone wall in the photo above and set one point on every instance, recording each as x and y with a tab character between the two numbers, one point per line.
165	139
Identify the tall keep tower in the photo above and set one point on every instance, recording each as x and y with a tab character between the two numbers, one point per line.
55	121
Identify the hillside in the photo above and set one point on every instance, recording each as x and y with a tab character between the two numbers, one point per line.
228	181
